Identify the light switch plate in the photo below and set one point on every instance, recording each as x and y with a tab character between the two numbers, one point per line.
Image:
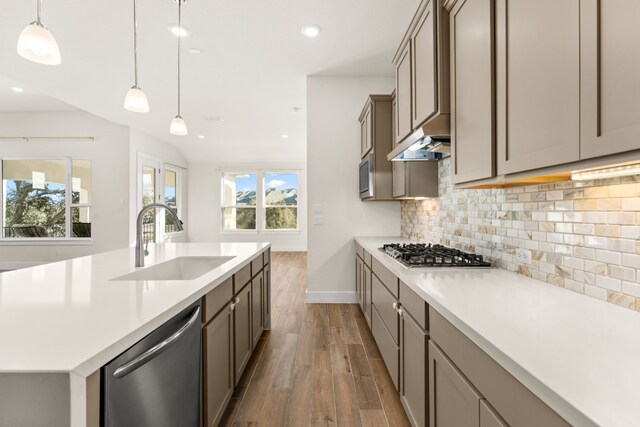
524	256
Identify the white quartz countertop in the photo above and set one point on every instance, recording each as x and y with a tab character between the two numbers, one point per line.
580	355
70	317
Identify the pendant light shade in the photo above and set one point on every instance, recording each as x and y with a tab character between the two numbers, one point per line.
178	126
37	44
136	100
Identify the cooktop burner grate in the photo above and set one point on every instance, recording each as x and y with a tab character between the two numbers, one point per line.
428	255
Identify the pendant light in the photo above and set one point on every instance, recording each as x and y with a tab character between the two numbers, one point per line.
136	100
37	44
178	125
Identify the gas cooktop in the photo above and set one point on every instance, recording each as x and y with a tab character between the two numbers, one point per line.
427	255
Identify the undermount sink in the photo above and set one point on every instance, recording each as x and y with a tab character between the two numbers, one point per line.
183	268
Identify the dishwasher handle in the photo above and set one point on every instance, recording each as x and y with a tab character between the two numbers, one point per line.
154	351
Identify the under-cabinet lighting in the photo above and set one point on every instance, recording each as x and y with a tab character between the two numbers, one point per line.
610	172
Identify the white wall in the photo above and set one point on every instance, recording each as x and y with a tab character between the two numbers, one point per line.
333	155
109	154
205	207
141	142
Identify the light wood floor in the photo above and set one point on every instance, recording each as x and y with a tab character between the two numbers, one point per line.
318	366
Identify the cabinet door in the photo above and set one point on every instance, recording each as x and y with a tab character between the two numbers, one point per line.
489	417
394	117
472	91
423	67
359	279
413	370
256	308
403	95
538	83
366	290
266	297
366	131
217	366
399	178
453	401
610	88
243	341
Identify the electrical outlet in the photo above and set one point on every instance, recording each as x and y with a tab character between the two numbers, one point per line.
524	256
318	220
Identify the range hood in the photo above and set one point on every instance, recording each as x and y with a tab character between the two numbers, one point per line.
430	142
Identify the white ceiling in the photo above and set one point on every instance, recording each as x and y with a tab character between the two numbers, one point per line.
27	101
251	72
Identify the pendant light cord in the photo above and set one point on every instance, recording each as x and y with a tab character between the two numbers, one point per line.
179	40
135	45
39	12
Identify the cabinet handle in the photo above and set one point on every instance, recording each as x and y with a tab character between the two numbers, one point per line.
395	306
400	312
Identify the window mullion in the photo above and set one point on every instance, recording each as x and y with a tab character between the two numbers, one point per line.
68	197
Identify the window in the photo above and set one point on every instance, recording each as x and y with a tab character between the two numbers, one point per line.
158	182
260	201
37	203
281	201
239	197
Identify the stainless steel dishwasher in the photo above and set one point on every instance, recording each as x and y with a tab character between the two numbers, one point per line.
156	382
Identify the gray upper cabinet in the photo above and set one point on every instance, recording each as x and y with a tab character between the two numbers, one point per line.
472	90
422	71
453	401
538	85
366	130
423	67
610	87
403	120
376	138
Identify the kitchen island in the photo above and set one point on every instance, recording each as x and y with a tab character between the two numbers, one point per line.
576	354
61	322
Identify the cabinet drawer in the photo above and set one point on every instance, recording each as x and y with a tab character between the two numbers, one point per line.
241	278
388	348
384	303
256	265
217	298
389	279
415	305
513	401
359	251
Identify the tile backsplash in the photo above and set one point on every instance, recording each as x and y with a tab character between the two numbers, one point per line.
582	235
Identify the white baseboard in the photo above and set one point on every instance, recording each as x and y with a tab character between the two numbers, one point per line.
331	297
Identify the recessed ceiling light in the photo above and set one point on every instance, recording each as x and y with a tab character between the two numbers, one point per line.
201	136
296	109
17	89
178	30
194	51
311	30
213	118
284	136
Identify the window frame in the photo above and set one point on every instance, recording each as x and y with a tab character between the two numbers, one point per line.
68	239
178	171
261	208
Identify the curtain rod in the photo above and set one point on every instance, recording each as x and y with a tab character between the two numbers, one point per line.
47	138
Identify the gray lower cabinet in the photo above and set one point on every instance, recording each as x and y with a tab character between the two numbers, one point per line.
359	281
366	292
413	369
217	365
388	347
266	297
243	340
257	287
453	401
489	417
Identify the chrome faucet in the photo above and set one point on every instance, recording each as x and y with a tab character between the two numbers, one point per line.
140	252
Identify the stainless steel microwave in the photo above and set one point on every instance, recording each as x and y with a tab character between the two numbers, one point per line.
366	176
